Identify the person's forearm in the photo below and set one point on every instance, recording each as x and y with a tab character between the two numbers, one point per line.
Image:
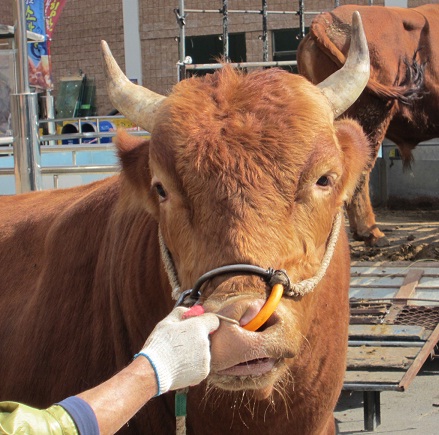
115	401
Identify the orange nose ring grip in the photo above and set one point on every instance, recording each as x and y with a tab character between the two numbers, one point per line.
267	309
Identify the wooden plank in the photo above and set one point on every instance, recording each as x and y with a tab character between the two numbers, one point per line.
409	285
404	293
425	352
372	377
388	332
381	357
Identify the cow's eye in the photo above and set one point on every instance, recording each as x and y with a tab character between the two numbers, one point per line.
324	181
160	191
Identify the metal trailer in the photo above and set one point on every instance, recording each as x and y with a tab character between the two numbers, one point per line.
394	328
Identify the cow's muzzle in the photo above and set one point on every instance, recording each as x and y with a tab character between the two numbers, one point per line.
277	279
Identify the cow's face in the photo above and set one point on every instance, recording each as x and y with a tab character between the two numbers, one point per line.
249	169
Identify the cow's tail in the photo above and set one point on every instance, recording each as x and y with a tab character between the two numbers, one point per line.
410	88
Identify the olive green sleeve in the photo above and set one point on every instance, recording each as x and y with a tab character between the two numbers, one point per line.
16	418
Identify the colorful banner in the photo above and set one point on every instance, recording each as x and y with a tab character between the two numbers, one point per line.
39	63
52	10
41	18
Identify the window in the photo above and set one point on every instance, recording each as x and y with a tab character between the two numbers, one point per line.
285	43
209	49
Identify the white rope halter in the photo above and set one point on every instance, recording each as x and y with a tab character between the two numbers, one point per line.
295	290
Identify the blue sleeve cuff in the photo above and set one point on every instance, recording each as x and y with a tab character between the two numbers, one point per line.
82	414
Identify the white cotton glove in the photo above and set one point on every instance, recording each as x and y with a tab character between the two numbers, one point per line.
179	349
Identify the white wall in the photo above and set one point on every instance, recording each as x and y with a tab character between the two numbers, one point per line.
398	3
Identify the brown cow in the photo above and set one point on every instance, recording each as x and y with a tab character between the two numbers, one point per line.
401	98
239	169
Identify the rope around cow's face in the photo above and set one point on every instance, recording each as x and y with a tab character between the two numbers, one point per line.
277	279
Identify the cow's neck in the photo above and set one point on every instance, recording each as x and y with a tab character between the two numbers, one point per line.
134	276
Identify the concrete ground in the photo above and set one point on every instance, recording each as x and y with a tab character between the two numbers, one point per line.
415	411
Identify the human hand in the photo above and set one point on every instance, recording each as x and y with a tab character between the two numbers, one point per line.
179	349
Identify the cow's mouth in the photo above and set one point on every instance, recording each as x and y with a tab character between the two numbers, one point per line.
254	367
257	375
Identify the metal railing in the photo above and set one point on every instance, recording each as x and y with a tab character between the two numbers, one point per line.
83	143
184	63
82	136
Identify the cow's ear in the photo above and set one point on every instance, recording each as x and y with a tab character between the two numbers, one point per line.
357	154
133	154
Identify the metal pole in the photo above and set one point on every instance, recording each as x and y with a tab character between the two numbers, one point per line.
302	18
264	31
181	21
20	40
225	12
48	109
24	110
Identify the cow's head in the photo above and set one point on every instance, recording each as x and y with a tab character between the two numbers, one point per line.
247	168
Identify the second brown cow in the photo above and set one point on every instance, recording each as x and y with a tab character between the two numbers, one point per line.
400	101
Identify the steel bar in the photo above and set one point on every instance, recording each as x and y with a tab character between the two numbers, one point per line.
376	343
20	41
372	410
89	169
6	140
84	118
264	31
181	20
241	11
24	113
7	31
301	18
27	157
201	66
370	387
225	12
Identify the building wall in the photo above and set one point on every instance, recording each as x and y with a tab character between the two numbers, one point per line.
83	24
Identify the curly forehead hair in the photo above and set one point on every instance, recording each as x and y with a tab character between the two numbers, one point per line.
215	122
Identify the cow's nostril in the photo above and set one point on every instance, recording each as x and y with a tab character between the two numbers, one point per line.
270	322
267	309
251	312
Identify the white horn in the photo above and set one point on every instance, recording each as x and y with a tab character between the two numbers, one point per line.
137	103
343	87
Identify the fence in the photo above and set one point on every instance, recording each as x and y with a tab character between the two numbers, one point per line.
185	63
71	159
